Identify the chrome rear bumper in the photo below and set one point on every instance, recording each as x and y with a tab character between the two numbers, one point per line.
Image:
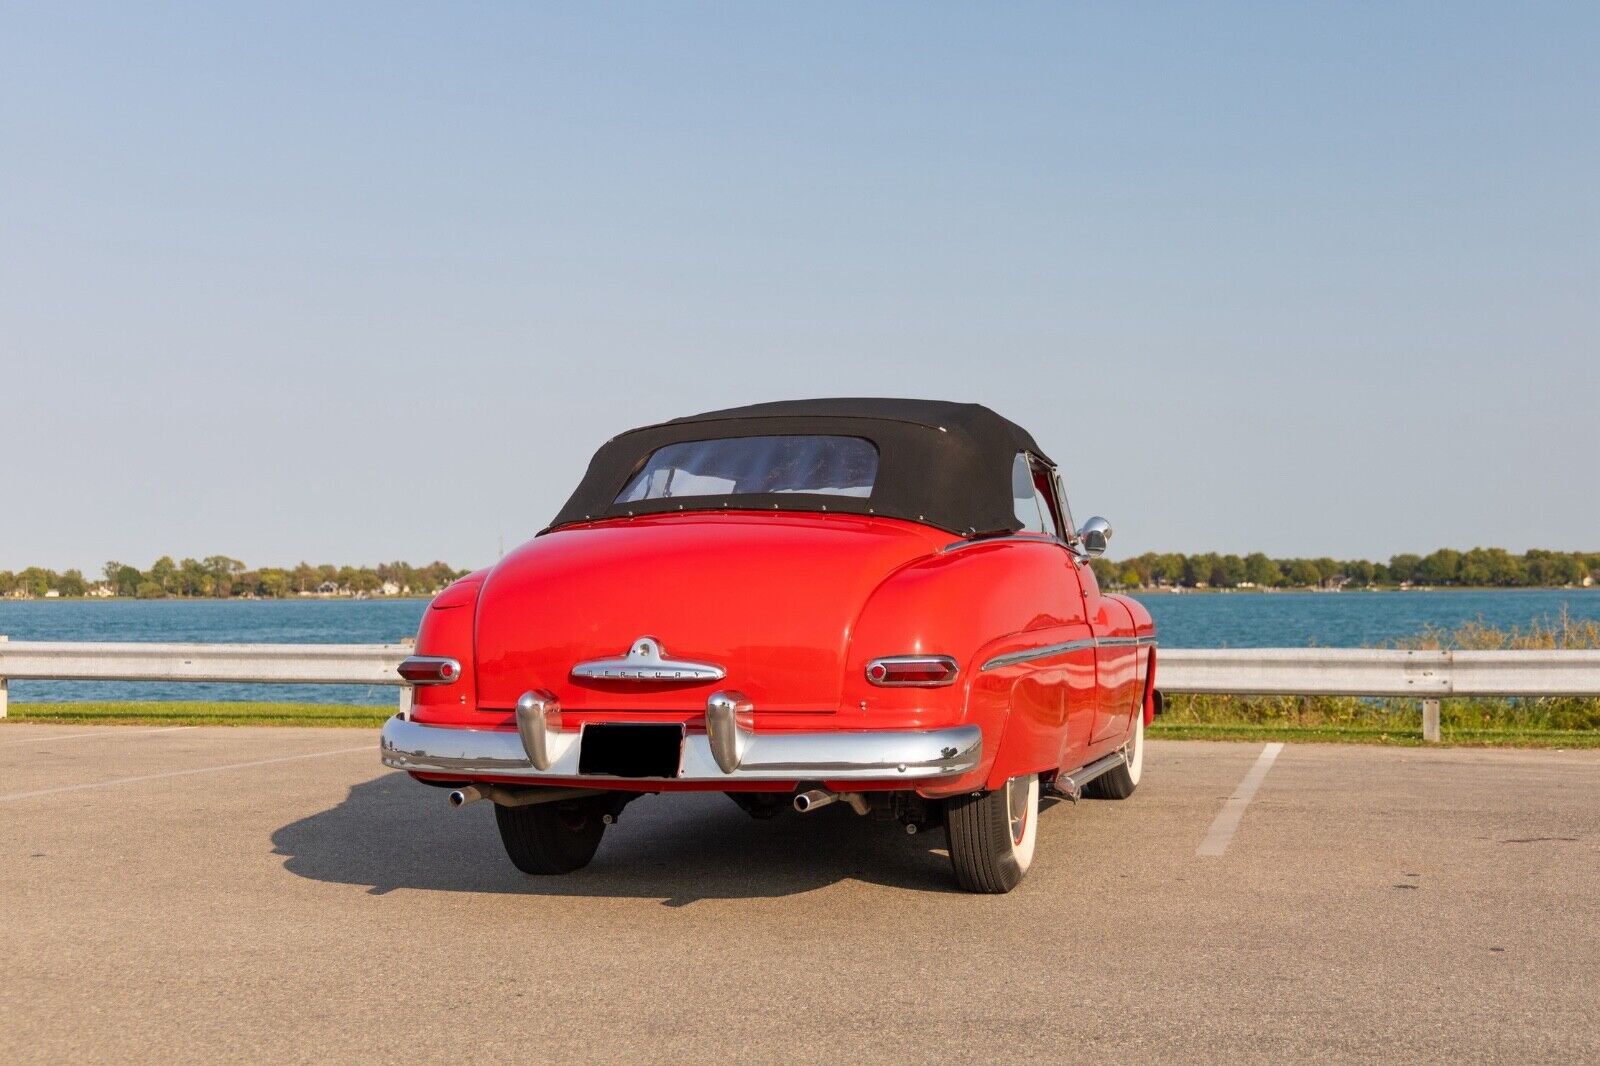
832	756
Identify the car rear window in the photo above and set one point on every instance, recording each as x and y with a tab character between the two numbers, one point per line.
739	466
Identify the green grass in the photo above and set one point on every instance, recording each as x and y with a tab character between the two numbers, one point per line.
198	712
1475	738
1552	722
1478	723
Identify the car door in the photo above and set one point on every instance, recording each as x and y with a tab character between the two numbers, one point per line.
1117	673
1070	678
1116	657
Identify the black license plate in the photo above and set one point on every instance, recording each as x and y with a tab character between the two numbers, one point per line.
631	749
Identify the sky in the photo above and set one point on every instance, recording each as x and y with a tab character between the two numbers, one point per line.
361	282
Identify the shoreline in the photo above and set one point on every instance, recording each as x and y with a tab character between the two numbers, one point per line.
1181	591
217	599
1374	590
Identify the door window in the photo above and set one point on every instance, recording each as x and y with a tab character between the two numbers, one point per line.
1033	496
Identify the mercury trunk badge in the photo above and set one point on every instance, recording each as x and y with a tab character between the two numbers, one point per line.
647	661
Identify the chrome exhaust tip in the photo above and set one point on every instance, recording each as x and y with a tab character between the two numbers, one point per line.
463	796
812	799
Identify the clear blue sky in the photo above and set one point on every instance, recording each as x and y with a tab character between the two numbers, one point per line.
289	282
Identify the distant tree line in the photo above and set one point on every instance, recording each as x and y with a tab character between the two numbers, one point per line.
219	577
1478	568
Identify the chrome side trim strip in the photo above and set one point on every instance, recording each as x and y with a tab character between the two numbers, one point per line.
837	756
1047	651
1044	652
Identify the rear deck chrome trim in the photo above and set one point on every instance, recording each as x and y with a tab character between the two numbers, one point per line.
834	756
647	660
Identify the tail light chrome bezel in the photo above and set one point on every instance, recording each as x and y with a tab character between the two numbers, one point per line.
430	670
913	671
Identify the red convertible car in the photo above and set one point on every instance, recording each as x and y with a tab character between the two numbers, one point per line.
879	603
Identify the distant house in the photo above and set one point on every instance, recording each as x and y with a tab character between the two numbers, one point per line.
101	592
390	589
328	588
52	594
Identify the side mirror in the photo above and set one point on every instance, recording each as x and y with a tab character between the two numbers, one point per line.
1094	537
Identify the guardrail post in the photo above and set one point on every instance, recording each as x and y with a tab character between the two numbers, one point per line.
1430	721
405	701
5	695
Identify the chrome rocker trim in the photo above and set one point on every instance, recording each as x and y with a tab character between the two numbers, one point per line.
834	756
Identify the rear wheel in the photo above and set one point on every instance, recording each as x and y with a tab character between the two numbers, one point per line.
1119	783
992	835
551	838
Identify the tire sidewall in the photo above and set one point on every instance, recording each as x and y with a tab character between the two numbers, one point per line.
1135	764
1022	850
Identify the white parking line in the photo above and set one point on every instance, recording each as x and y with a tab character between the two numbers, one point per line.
101	732
180	773
1221	832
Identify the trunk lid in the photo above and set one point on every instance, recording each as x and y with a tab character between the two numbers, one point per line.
769	598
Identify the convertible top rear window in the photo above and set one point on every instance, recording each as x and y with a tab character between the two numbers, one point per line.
742	466
946	465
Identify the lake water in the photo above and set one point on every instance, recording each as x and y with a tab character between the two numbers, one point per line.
1191	620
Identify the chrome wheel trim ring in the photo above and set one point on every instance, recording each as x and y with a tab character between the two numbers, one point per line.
1017	812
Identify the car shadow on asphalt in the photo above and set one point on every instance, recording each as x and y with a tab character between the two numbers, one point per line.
391	833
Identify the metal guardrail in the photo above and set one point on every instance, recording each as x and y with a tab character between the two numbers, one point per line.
1424	675
1365	672
264	664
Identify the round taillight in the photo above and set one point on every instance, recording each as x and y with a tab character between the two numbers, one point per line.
877	672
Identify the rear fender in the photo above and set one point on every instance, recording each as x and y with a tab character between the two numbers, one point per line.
446	629
954	603
1023	709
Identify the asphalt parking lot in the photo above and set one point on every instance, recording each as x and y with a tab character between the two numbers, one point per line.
248	894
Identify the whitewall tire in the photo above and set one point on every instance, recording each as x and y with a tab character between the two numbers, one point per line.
1119	783
992	835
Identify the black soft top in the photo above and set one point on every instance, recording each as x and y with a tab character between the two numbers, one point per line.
943	464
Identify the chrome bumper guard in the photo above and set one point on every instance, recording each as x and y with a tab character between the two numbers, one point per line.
831	756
